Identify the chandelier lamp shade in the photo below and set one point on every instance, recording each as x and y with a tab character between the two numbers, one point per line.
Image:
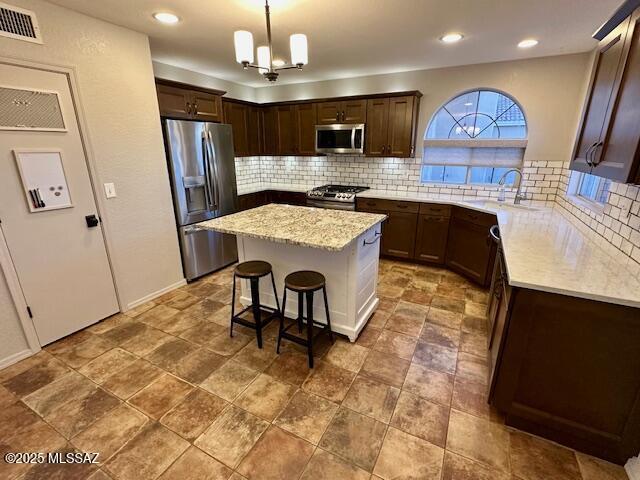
243	42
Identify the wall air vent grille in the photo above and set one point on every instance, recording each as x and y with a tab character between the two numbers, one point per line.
19	24
30	110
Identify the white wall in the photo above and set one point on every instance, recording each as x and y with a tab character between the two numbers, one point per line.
116	88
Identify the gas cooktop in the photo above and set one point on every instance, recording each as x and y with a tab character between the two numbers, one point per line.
342	193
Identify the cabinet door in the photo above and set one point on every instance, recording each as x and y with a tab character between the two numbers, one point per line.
286	122
328	113
431	238
618	158
254	130
206	106
353	111
306	128
502	315
237	115
400	127
376	130
174	102
469	251
270	129
399	234
598	107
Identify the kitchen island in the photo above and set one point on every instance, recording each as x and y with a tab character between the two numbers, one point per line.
342	245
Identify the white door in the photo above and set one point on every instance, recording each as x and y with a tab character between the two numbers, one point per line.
61	263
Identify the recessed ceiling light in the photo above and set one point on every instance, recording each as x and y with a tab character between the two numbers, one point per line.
468	104
451	37
278	63
166	17
528	43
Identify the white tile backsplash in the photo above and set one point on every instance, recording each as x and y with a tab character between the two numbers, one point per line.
543	181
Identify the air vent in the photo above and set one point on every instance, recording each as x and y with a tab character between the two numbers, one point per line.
19	23
30	110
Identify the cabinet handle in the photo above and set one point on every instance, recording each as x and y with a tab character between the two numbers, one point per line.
188	108
388	148
383	148
337	116
587	155
343	116
195	108
377	237
594	153
399	205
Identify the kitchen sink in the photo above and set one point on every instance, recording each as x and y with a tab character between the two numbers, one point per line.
506	205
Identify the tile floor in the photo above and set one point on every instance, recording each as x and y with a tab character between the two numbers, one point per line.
163	392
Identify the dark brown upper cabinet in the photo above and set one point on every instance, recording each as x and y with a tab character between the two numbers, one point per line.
270	130
305	131
286	128
391	126
177	100
254	129
345	111
608	141
237	114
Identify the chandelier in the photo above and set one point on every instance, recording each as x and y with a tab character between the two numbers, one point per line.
243	41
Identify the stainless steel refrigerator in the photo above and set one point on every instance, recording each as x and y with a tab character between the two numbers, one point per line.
203	180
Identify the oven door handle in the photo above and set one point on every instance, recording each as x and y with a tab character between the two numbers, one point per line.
331	204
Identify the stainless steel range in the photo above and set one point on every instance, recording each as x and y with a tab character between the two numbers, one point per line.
339	197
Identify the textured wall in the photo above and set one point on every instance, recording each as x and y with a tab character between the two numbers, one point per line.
115	80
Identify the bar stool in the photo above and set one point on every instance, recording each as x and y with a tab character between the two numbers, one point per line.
253	270
304	283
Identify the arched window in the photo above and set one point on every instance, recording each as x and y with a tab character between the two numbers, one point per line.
474	138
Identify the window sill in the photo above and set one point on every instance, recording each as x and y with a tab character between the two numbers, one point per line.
578	201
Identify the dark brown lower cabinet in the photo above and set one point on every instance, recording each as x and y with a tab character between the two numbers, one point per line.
431	239
257	199
568	369
470	252
399	234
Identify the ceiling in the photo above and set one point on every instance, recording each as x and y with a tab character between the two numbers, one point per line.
356	37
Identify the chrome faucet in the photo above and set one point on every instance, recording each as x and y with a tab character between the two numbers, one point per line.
519	195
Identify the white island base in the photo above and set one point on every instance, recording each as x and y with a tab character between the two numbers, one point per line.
351	275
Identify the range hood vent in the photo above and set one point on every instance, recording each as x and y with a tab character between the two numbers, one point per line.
19	24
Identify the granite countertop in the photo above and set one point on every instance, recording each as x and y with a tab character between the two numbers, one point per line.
545	248
308	227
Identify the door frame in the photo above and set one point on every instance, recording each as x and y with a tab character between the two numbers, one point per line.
6	263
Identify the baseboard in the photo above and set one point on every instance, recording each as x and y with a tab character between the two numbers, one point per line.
633	468
16	357
156	294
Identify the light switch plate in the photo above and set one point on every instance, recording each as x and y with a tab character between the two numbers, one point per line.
110	190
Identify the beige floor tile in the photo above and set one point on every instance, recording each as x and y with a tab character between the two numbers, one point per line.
54	395
436	357
160	396
291	367
201	289
416	295
194	414
405	456
448	303
407	318
347	355
76	415
451	291
228	346
471	397
99	475
432	385
329	381
108	323
265	397
257	358
231	436
63	345
132	379
144	344
385	368
6	397
194	464
533	458
159	316
203	333
68	471
125	331
473	368
380	317
111	432
147	455
474	325
167	355
39	375
102	367
229	380
460	468
477	296
390	291
474	343
479	439
421	418
276	456
372	398
354	437
196	366
475	309
397	344
443	336
596	469
182	301
445	318
387	305
140	309
307	416
325	466
368	336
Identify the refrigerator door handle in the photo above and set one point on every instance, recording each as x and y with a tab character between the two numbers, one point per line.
213	163
207	171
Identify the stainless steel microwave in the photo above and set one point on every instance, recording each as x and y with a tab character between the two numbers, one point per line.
340	138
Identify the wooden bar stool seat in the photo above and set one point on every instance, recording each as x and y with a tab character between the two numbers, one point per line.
305	283
254	270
